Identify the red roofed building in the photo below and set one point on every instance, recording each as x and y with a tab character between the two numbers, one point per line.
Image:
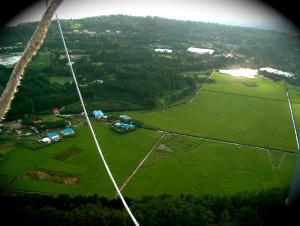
36	122
55	111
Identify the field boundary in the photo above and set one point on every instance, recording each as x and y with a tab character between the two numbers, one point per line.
281	160
200	88
244	95
223	141
141	163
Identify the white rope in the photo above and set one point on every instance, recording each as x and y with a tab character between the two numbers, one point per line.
292	117
92	130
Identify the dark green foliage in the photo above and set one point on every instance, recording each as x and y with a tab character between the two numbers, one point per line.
264	208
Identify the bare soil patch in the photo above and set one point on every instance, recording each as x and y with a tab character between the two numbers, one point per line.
36	174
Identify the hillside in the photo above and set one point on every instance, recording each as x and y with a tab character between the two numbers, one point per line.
116	61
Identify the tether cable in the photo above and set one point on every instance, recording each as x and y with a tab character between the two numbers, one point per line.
92	130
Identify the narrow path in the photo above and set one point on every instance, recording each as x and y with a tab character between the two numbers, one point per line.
271	160
292	117
281	160
225	141
141	163
244	95
200	88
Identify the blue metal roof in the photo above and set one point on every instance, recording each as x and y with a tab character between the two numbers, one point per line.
125	117
68	130
124	125
98	113
52	134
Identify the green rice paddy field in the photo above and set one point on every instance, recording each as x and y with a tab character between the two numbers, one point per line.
194	166
123	153
245	111
226	109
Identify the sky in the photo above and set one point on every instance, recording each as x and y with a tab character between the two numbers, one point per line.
234	12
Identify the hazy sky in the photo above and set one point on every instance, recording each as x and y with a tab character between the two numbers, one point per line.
236	12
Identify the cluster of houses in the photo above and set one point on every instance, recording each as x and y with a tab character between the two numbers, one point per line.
122	123
56	136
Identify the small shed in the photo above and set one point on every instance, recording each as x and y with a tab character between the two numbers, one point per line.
37	122
46	140
53	136
124	117
98	114
123	126
68	131
99	81
55	111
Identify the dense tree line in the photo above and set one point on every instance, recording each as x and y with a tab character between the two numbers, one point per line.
245	209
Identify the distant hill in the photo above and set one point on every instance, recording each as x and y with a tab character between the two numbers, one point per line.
120	51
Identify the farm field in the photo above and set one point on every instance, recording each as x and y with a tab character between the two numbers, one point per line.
184	165
231	117
259	87
255	115
294	92
73	166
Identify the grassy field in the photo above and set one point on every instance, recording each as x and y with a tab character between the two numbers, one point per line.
258	87
294	93
231	117
193	166
78	158
247	111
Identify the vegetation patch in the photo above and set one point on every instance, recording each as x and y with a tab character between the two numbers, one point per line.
37	174
6	179
68	153
248	83
6	147
178	143
164	148
276	158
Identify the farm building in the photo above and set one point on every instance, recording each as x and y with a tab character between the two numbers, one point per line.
122	127
53	136
45	140
124	117
98	114
55	111
68	132
99	81
37	122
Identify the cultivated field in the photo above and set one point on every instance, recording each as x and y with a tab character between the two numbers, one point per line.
73	166
235	135
190	165
259	87
233	113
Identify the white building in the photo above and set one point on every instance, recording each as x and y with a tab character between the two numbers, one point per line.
46	140
200	51
163	50
277	72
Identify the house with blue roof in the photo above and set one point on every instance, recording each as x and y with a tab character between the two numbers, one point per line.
124	117
122	127
53	136
68	131
98	114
